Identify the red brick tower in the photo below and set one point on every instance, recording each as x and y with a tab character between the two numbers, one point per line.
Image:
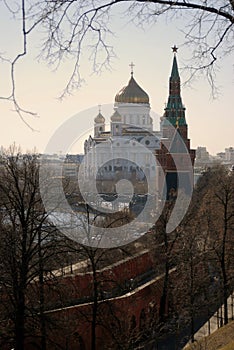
175	156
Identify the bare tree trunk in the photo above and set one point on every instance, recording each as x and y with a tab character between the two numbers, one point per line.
225	296
223	266
41	295
20	322
95	304
163	300
20	300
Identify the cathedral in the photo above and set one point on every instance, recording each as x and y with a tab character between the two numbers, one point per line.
133	150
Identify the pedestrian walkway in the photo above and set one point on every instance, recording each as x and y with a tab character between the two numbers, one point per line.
71	268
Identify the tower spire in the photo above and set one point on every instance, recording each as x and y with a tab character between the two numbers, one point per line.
175	72
175	111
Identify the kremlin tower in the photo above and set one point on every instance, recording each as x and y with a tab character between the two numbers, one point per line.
175	156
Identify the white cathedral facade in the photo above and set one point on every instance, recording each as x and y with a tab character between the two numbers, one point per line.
128	148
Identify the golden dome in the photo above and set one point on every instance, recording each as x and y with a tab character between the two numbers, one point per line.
116	117
132	93
99	119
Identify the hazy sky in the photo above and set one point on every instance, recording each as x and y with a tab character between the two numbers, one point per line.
211	122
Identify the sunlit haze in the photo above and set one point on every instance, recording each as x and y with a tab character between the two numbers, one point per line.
211	122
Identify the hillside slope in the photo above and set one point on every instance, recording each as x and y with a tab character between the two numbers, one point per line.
222	339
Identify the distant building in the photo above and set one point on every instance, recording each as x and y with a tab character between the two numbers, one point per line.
220	156
229	154
71	165
204	160
202	155
226	157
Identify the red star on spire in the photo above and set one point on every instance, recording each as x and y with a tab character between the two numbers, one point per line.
174	48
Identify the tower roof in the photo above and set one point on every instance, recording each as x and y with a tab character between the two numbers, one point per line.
99	118
177	143
175	71
116	117
132	93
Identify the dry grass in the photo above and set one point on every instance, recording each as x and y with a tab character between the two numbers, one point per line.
222	339
230	346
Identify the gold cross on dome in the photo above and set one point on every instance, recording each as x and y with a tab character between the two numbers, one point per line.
131	65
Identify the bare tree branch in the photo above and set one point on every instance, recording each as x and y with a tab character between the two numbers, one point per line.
12	97
73	28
